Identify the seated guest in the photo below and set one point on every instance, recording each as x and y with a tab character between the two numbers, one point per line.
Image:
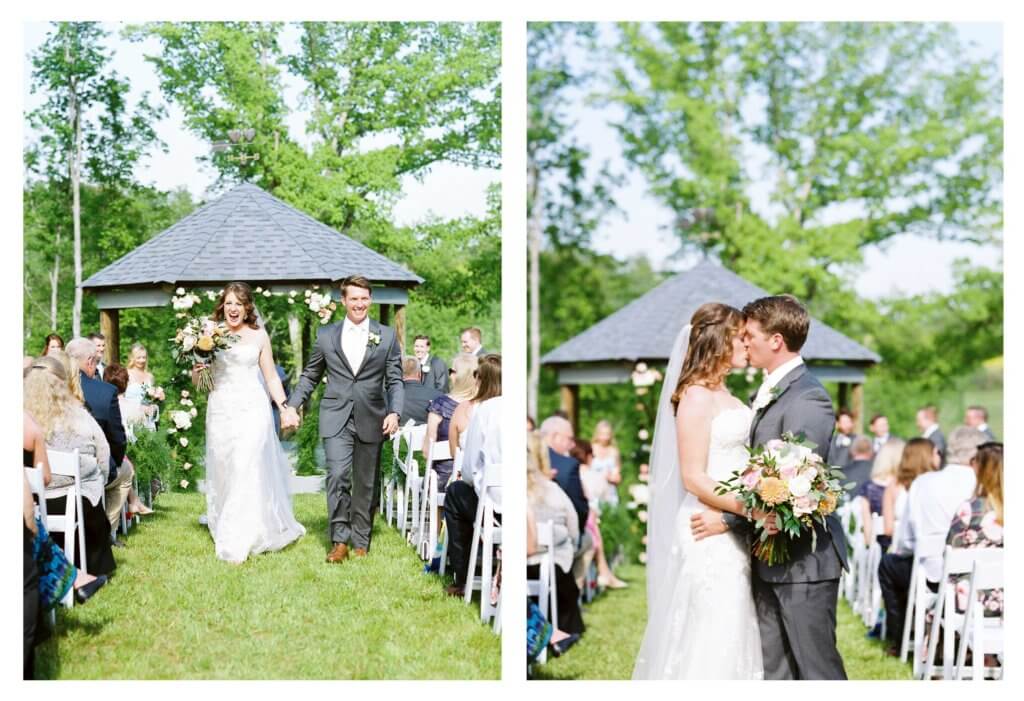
434	371
547	502
488	383
858	463
418	395
483	448
557	433
68	426
101	401
583	452
919	456
932	502
440	411
53	342
842	440
883	473
928	424
977	417
118	376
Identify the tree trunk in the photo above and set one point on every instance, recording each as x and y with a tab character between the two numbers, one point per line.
54	283
533	245
76	213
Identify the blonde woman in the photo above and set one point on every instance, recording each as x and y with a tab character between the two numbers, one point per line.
462	387
140	380
67	426
605	471
883	473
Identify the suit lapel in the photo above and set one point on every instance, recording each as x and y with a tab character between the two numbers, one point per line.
371	347
779	389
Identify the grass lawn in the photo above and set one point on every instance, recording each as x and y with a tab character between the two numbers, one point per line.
615	627
174	611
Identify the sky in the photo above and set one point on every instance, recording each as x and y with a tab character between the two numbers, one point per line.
447	191
886	270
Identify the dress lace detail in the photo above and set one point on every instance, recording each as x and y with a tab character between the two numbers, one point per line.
713	631
248	505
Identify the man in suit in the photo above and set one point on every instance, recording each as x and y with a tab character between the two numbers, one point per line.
470	338
977	417
558	435
879	426
433	370
795	600
101	401
418	394
928	424
839	453
361	406
101	346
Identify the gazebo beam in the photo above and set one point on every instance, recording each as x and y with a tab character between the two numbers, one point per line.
110	327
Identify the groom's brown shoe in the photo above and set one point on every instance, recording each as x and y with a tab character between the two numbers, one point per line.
360	552
338	553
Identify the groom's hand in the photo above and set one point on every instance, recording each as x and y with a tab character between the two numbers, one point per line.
770	518
707	523
390	424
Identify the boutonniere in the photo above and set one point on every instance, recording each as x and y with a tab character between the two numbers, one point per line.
372	339
764	400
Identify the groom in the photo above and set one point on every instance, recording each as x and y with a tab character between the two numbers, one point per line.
795	601
360	407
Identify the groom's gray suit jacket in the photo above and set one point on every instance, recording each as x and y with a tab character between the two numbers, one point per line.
368	395
801	406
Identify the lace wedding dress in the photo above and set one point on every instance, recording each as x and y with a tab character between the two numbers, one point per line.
708	628
248	505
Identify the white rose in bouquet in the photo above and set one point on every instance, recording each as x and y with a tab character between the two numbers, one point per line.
188	343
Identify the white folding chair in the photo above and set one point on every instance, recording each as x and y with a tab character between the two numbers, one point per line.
431	500
34	475
869	590
486	533
544	587
456	470
847	587
387	494
955	562
981	635
409	506
71	522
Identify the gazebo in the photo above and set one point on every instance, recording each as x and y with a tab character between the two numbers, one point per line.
246	234
644	330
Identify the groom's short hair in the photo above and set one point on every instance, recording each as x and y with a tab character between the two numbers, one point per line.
781	314
355	281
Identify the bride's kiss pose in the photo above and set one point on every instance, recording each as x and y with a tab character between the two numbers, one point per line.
248	505
708	618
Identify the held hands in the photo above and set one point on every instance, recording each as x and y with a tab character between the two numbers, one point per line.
390	424
770	518
290	419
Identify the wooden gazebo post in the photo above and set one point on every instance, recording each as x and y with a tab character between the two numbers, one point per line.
110	327
571	403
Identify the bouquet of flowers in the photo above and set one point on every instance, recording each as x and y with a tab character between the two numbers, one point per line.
198	341
787	479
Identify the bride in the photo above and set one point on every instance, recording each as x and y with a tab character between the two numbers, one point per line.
701	621
248	505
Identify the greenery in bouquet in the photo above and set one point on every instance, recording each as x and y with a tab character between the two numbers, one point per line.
199	340
784	477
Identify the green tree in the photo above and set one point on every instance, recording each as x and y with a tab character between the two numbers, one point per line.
85	129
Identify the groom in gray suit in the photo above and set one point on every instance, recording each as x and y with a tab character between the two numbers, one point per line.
361	406
795	601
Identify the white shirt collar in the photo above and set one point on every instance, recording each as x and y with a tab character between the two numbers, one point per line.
930	430
425	361
778	373
362	326
983	427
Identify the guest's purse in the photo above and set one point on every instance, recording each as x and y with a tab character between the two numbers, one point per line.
538	632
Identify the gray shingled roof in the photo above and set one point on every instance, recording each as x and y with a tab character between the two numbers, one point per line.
249	234
645	328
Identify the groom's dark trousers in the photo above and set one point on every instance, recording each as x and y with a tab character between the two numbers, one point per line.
795	645
350	490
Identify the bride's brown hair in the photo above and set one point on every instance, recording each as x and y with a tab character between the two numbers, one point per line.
244	295
709	353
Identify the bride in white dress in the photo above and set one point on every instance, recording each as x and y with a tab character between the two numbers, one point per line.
701	619
249	508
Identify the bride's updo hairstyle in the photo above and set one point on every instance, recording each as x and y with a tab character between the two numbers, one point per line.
244	295
709	353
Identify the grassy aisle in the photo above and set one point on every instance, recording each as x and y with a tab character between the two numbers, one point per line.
615	627
173	611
